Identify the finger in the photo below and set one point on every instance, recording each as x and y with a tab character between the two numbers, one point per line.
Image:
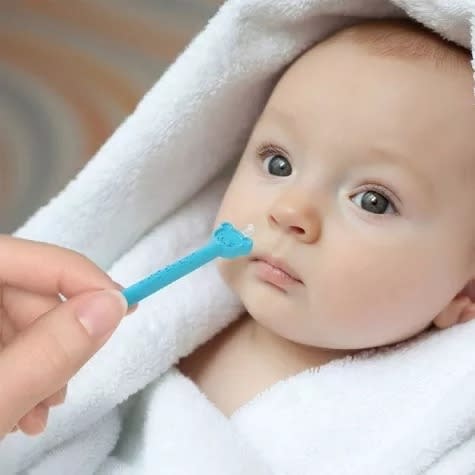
48	269
132	309
34	422
23	307
42	359
7	329
57	398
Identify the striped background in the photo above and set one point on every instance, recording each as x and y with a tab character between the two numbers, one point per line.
70	71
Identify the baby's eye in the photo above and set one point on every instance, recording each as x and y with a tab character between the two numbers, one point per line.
374	202
278	165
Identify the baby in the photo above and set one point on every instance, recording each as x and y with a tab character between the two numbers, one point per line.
359	179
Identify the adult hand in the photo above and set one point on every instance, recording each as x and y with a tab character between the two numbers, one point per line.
44	342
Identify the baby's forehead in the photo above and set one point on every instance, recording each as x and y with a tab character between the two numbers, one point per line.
397	42
401	42
403	39
412	47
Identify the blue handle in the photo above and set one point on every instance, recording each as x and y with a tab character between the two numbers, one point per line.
169	274
226	241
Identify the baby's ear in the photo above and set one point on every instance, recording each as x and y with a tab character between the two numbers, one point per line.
460	310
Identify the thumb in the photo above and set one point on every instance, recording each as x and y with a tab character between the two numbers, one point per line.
43	358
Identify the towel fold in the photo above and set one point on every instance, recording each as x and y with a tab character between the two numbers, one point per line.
148	197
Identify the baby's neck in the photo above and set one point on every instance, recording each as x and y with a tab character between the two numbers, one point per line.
244	360
282	354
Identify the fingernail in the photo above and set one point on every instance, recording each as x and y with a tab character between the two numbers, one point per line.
40	416
102	312
117	285
132	308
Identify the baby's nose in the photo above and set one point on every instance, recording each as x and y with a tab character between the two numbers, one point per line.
296	214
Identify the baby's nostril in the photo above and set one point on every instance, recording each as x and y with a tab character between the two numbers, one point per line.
297	229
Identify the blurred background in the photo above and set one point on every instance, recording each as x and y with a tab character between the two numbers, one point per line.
70	72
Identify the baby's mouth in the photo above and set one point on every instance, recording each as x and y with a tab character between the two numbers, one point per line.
275	271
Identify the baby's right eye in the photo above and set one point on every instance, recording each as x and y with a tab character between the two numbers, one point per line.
277	165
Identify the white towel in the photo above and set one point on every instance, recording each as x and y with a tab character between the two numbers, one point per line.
149	196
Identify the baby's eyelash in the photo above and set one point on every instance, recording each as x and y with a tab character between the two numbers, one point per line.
268	149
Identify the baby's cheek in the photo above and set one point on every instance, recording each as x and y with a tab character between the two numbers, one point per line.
367	302
231	272
225	270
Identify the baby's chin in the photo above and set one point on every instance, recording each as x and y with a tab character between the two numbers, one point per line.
284	323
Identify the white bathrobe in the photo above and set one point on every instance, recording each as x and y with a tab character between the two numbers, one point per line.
148	197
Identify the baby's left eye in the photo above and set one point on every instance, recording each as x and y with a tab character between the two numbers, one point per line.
278	165
374	202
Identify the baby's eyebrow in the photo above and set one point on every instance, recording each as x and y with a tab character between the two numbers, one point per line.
280	116
403	162
282	120
378	152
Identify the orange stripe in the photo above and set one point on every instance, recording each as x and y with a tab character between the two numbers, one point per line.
62	68
108	23
78	65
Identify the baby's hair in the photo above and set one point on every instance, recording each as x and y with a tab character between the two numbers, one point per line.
405	39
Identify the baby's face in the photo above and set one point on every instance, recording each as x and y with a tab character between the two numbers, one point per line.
357	178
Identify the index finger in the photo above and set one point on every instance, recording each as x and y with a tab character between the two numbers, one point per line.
49	269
